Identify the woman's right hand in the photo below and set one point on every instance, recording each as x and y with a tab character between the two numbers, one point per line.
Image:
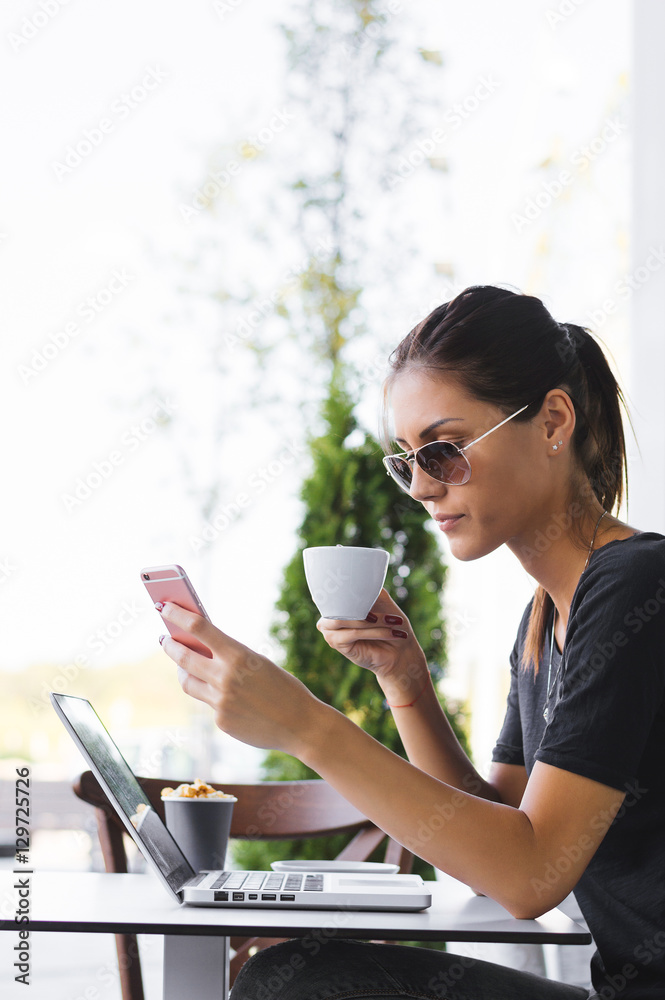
383	643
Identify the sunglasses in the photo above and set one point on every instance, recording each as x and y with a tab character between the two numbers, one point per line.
442	460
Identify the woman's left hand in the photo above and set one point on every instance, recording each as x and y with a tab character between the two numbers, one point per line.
253	699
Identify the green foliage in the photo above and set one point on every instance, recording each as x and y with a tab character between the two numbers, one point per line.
348	499
349	70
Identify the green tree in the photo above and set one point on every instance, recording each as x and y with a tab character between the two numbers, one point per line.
348	499
357	91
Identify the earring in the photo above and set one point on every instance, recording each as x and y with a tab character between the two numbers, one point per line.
555	447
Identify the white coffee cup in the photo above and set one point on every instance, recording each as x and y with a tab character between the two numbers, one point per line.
345	580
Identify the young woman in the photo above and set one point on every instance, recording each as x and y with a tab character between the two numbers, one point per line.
511	435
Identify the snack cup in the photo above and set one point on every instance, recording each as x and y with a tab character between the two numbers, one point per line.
200	827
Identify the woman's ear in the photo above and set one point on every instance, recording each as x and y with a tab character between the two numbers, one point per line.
558	420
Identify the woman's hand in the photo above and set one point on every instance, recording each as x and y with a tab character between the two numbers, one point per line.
383	643
253	699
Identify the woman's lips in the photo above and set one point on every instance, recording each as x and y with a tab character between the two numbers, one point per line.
448	523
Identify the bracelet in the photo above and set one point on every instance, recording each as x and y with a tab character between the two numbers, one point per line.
410	703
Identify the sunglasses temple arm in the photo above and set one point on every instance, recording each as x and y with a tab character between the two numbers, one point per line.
496	427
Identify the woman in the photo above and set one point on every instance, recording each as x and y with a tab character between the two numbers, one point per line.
511	434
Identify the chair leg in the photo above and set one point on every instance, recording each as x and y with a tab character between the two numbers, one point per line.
129	966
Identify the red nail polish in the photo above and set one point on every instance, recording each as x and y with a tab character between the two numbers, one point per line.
161	639
159	605
393	620
371	617
399	634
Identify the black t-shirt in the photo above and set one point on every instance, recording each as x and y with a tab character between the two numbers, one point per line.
606	715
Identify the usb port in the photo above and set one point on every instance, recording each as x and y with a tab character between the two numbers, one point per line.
221	897
252	895
268	895
238	895
286	895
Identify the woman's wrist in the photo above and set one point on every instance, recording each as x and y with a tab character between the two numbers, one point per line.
410	704
322	732
406	682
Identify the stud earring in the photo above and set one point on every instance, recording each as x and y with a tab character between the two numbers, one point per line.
555	447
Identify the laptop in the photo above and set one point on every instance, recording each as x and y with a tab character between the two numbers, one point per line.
306	889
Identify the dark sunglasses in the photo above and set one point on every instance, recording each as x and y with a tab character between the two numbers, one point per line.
442	460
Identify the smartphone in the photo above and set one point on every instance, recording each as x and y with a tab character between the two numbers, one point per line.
171	583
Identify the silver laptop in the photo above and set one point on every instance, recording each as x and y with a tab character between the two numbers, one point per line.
306	889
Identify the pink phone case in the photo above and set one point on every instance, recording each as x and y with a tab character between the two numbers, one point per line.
171	583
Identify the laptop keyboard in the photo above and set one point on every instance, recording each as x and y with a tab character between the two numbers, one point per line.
268	881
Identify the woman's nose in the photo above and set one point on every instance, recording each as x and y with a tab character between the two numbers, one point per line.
423	487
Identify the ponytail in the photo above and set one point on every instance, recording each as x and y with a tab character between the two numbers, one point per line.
506	349
599	443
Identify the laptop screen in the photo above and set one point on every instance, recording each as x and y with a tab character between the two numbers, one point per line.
118	781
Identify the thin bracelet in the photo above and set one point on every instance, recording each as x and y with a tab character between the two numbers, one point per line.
409	704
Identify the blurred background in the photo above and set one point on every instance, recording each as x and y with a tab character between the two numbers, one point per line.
208	210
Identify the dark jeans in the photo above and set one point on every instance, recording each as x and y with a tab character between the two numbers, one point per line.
314	969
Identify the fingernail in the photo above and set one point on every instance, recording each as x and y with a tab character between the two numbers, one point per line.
399	634
161	638
393	620
371	617
159	605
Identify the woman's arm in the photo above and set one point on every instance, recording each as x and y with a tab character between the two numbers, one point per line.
431	744
386	645
527	858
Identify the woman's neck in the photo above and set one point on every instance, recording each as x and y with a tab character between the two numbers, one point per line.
556	559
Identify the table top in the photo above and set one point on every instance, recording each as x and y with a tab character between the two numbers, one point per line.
102	903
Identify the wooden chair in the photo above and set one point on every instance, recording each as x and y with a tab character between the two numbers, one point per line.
267	810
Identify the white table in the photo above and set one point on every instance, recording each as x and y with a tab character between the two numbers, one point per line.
196	938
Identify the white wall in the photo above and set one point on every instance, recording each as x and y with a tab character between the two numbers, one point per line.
647	390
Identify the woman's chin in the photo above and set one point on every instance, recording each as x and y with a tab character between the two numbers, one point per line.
468	550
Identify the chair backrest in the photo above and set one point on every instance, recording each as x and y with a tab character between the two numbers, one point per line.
266	810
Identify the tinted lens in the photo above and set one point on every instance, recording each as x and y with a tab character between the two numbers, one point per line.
440	460
400	471
444	462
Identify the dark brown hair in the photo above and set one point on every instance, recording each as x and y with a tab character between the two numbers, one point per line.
506	349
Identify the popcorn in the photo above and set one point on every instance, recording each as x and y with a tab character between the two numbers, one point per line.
137	818
198	790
